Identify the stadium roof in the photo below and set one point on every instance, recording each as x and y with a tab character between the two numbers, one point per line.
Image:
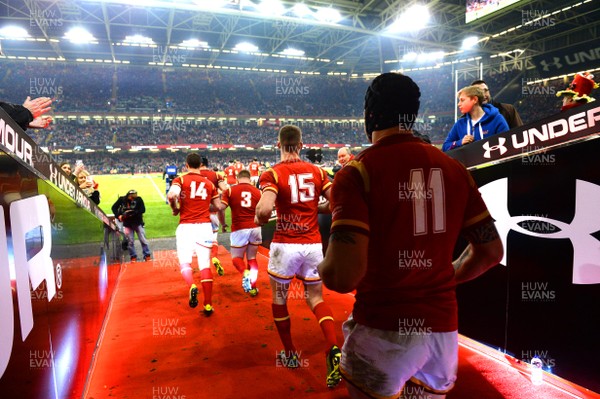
363	41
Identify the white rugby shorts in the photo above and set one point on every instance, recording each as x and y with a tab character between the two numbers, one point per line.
192	237
243	237
287	261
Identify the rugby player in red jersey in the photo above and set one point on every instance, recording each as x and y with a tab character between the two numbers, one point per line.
231	174
245	236
238	165
254	168
398	209
293	187
214	215
190	197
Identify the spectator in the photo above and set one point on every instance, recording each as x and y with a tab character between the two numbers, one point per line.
506	110
88	185
481	121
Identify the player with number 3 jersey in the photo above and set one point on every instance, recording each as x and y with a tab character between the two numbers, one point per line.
245	236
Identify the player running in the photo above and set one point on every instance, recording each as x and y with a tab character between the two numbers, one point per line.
194	194
254	168
231	174
245	236
294	187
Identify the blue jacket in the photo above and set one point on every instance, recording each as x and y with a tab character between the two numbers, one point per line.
491	123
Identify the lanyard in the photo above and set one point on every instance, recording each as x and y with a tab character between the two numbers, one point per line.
469	128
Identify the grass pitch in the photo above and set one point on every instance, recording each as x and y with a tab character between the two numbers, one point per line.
159	222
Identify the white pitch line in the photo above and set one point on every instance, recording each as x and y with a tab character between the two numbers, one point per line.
157	189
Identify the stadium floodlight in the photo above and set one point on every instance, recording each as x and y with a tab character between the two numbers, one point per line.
409	56
413	19
193	43
431	56
79	35
271	7
138	39
246	47
12	32
301	10
293	52
469	42
328	14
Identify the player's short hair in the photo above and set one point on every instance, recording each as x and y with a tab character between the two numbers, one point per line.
193	160
473	91
392	99
243	174
290	137
204	161
478	82
346	150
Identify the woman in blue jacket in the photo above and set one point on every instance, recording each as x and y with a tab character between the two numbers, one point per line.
480	121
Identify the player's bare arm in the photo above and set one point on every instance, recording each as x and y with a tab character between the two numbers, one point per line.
216	205
324	207
345	262
173	198
483	252
265	207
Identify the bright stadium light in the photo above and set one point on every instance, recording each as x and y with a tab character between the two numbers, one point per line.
12	32
271	7
328	15
409	56
79	35
413	19
193	43
301	10
138	39
431	56
469	42
293	52
246	47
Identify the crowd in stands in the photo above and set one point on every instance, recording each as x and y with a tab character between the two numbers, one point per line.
154	162
153	91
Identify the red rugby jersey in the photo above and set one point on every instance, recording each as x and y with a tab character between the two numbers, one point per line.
412	201
231	174
242	199
194	199
253	168
298	185
212	176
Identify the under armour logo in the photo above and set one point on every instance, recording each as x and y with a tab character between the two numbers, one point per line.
489	148
546	65
586	248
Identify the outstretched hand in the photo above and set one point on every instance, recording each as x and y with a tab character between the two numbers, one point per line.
41	122
38	106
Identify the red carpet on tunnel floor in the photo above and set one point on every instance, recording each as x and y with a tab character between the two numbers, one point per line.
155	346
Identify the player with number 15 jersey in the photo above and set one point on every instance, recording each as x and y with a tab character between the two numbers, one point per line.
298	186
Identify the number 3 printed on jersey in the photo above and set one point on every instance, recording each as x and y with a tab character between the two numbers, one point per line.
246	199
200	192
301	188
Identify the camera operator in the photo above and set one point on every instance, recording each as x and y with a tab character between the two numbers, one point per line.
129	210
